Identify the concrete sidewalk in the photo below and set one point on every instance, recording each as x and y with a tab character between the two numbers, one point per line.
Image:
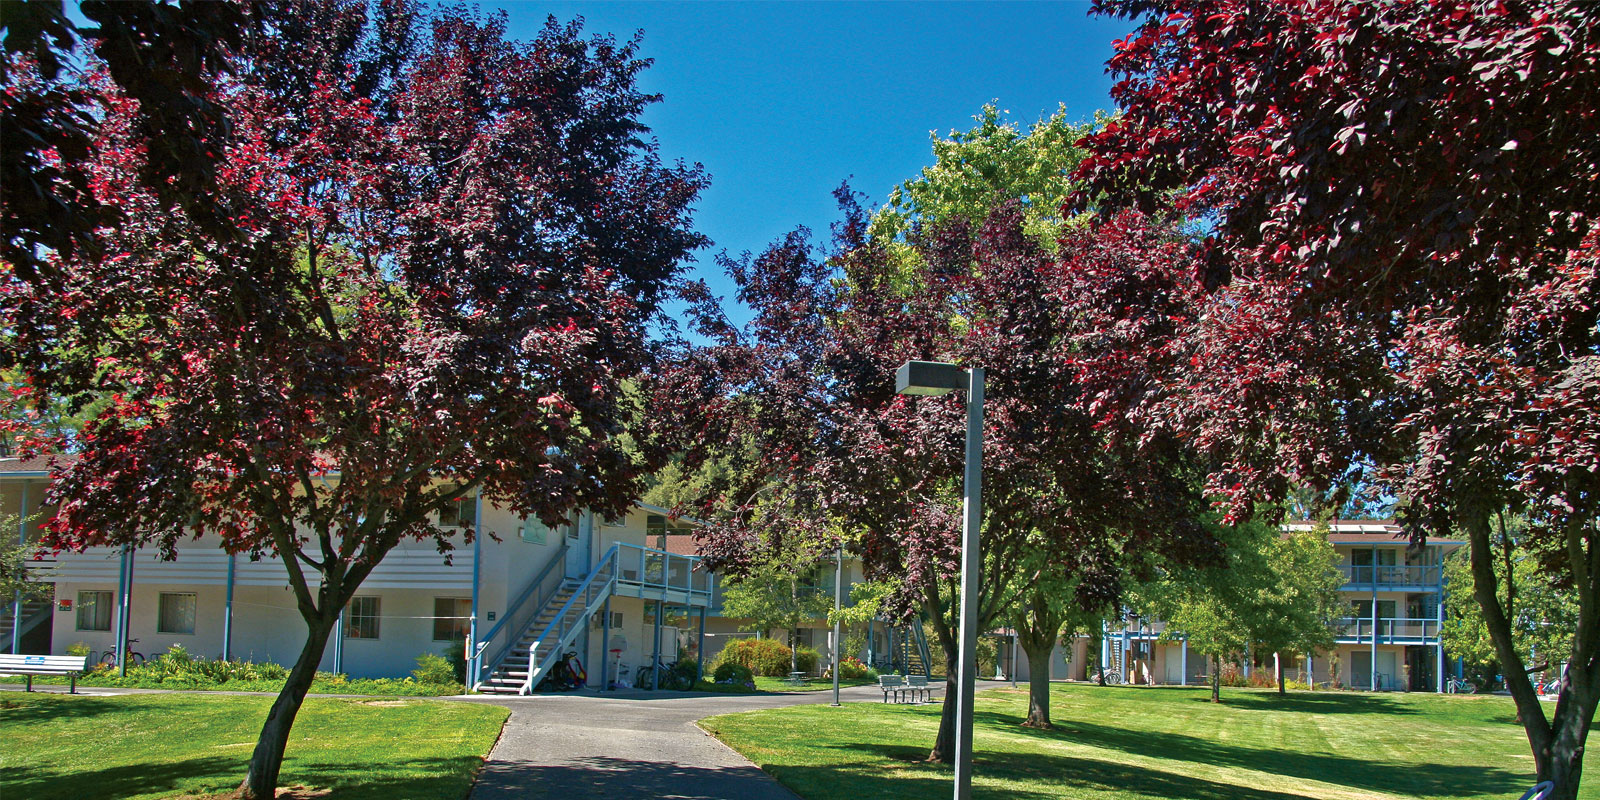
630	745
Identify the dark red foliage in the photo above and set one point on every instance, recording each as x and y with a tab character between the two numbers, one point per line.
1400	279
809	389
441	255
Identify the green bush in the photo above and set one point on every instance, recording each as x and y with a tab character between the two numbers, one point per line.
77	649
729	672
767	657
685	672
805	660
178	669
434	669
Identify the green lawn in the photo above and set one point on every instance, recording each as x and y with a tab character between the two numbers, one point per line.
811	684
149	746
1137	742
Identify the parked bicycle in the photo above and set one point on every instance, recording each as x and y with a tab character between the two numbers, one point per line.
1112	677
672	677
135	658
1459	686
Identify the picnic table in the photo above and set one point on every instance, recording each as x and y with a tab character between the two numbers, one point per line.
796	679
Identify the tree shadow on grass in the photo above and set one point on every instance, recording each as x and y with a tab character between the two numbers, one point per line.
444	778
25	709
1367	772
1063	775
1317	703
42	782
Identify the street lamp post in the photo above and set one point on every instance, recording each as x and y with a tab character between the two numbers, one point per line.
838	581
935	378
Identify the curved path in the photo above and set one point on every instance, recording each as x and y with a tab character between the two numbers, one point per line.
630	744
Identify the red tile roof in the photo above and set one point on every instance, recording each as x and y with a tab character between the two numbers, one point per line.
40	464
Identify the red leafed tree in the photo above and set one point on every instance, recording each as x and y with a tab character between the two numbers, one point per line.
1403	278
444	249
809	387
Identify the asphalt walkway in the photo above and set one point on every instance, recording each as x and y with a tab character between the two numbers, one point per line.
630	744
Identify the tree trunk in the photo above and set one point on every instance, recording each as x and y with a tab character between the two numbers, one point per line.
1038	685
261	780
1216	679
944	745
1557	743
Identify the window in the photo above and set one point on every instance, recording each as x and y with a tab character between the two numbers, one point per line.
94	611
461	512
600	620
361	618
452	617
176	613
534	532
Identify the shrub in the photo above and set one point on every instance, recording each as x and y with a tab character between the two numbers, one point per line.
1231	675
805	660
77	649
851	668
685	672
434	669
729	672
761	656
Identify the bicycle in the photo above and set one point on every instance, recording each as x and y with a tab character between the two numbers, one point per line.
671	678
135	658
1111	677
1459	686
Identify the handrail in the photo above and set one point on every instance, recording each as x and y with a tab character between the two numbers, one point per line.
559	620
659	563
512	613
516	605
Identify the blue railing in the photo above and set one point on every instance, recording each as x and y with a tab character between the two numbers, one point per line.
521	612
569	621
649	568
1367	575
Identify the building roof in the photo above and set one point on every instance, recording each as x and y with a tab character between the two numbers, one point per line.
40	464
681	544
1363	531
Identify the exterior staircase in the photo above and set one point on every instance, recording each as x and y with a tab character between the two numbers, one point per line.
512	673
562	618
910	649
34	614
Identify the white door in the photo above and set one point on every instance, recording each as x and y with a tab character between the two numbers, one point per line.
578	534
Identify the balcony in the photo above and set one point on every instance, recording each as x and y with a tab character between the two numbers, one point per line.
652	574
1392	577
1390	630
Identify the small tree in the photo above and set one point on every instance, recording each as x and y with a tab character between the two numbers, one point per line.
777	594
1297	609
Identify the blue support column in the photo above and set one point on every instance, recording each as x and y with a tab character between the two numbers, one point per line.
1184	681
700	646
338	644
124	592
1372	679
655	651
227	615
605	646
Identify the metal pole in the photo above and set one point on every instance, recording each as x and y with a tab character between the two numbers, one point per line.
124	589
971	562
338	644
838	582
227	615
475	663
16	600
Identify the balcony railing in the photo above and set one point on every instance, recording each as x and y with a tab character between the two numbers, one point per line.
1392	575
651	569
1389	629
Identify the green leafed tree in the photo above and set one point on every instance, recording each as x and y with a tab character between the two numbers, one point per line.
1272	593
1543	615
780	592
993	162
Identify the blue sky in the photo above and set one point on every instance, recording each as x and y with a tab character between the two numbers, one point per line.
782	101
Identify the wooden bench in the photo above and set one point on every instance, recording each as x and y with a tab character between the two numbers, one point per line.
29	666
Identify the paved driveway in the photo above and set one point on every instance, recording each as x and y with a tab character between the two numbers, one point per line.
629	745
